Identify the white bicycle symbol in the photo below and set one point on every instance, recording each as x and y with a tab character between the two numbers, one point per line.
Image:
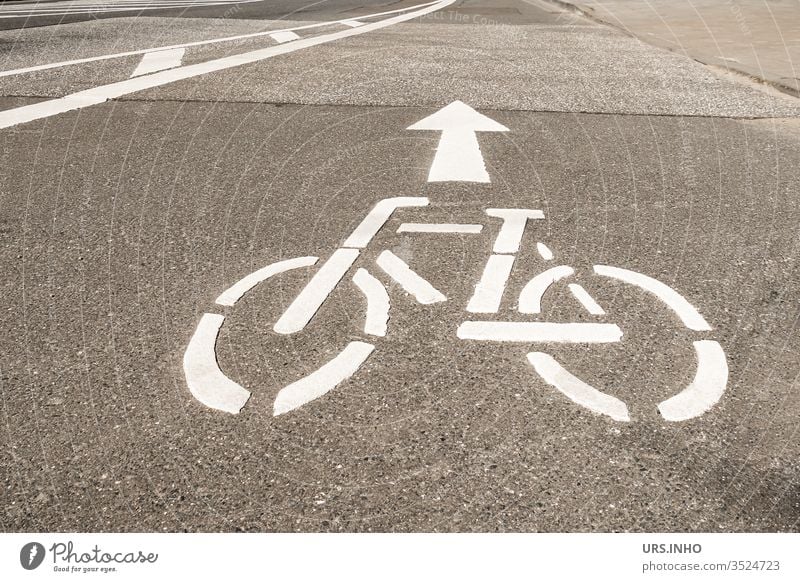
212	387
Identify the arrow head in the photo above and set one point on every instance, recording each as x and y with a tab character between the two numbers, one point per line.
458	115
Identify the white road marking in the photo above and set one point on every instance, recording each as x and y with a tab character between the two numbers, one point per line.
159	61
314	294
514	220
377	217
191	44
352	23
706	389
577	390
539	331
458	157
67	9
544	251
440	228
489	290
690	317
206	381
231	295
284	36
377	302
530	299
323	380
585	299
96	95
412	283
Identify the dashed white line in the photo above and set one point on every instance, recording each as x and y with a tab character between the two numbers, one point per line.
96	95
412	283
284	36
159	61
352	23
323	380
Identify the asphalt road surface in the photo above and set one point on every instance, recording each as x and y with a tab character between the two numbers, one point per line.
621	357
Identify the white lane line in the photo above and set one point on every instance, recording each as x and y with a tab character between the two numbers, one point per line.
412	283
206	381
190	44
7	14
377	217
440	228
314	294
576	389
96	95
514	221
539	331
585	299
544	251
706	389
351	23
690	317
159	61
323	380
530	299
231	295
489	290
284	36
377	302
458	156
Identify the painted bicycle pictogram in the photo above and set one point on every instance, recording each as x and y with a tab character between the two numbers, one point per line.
212	387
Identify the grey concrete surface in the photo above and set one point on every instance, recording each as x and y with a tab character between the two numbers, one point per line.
760	38
122	222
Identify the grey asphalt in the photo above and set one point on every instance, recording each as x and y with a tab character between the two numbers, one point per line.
121	224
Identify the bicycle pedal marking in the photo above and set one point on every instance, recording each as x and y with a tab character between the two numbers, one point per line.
210	386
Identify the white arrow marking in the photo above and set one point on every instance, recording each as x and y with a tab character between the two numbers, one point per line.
458	157
159	61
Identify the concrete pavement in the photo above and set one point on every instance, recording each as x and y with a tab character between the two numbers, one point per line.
124	221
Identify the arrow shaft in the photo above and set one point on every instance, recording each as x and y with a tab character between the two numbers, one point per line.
458	158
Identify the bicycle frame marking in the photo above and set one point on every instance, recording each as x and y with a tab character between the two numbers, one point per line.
209	385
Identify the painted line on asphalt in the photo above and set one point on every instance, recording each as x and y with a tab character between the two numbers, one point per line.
576	389
351	23
323	380
231	295
706	389
284	36
440	228
206	381
314	294
514	220
585	299
377	217
690	317
97	95
540	331
377	302
489	290
411	282
35	68
544	251
159	61
530	299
